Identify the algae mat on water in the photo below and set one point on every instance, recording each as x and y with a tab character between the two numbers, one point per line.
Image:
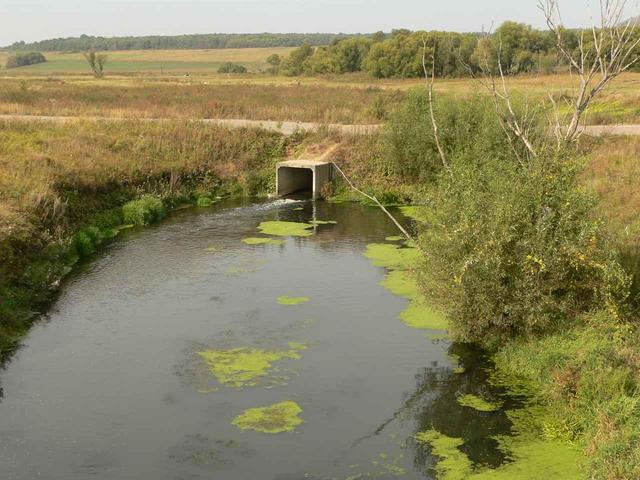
277	418
529	459
246	367
286	229
286	300
401	281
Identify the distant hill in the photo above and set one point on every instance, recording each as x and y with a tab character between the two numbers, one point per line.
186	42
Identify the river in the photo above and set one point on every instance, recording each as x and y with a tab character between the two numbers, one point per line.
119	381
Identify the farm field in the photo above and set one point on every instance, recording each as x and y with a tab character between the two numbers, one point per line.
353	98
152	61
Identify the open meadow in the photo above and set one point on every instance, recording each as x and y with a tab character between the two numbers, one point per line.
136	86
152	61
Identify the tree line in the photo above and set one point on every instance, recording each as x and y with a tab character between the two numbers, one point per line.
519	48
179	42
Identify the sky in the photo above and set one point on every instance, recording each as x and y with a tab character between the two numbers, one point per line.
31	20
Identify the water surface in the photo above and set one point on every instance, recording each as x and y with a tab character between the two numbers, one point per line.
111	385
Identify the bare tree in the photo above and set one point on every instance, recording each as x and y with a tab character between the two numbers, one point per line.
604	52
96	61
430	82
516	126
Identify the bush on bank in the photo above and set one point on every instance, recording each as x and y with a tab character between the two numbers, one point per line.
518	259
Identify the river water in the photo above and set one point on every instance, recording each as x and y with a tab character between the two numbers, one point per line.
112	384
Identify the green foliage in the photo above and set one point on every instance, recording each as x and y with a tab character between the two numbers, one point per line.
24	59
294	64
513	251
588	377
232	68
468	128
96	61
146	210
159	42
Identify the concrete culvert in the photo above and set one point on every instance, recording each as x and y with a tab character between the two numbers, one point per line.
295	176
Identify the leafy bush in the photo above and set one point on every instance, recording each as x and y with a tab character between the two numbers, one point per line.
232	68
468	127
513	251
24	59
144	211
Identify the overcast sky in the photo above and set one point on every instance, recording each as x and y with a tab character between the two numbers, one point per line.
31	20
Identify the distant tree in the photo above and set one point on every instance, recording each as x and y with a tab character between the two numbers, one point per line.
96	61
274	61
232	68
24	59
294	65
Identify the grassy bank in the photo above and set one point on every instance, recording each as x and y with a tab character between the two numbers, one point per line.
147	99
347	98
66	189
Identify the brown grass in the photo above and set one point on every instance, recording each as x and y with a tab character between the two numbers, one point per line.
194	100
613	171
339	98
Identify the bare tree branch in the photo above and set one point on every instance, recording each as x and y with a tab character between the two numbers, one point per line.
430	83
613	52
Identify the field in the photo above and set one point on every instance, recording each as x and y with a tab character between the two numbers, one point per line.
152	61
134	88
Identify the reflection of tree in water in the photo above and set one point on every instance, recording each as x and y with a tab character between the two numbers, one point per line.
433	406
440	410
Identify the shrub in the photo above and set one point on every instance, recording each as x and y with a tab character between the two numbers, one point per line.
144	211
24	59
468	127
232	68
513	251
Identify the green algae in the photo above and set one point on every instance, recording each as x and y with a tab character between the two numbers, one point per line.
423	317
529	458
418	314
299	209
473	401
262	241
286	229
246	367
278	418
286	300
396	238
392	256
453	464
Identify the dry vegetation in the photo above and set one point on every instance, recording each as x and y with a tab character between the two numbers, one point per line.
328	99
613	170
120	98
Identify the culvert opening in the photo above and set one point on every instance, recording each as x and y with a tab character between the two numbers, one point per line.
295	181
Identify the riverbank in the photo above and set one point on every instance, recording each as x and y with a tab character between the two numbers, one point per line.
69	188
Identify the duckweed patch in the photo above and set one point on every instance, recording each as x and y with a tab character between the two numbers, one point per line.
278	418
392	256
529	459
286	300
246	367
453	464
286	229
421	316
262	241
395	238
403	283
477	403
